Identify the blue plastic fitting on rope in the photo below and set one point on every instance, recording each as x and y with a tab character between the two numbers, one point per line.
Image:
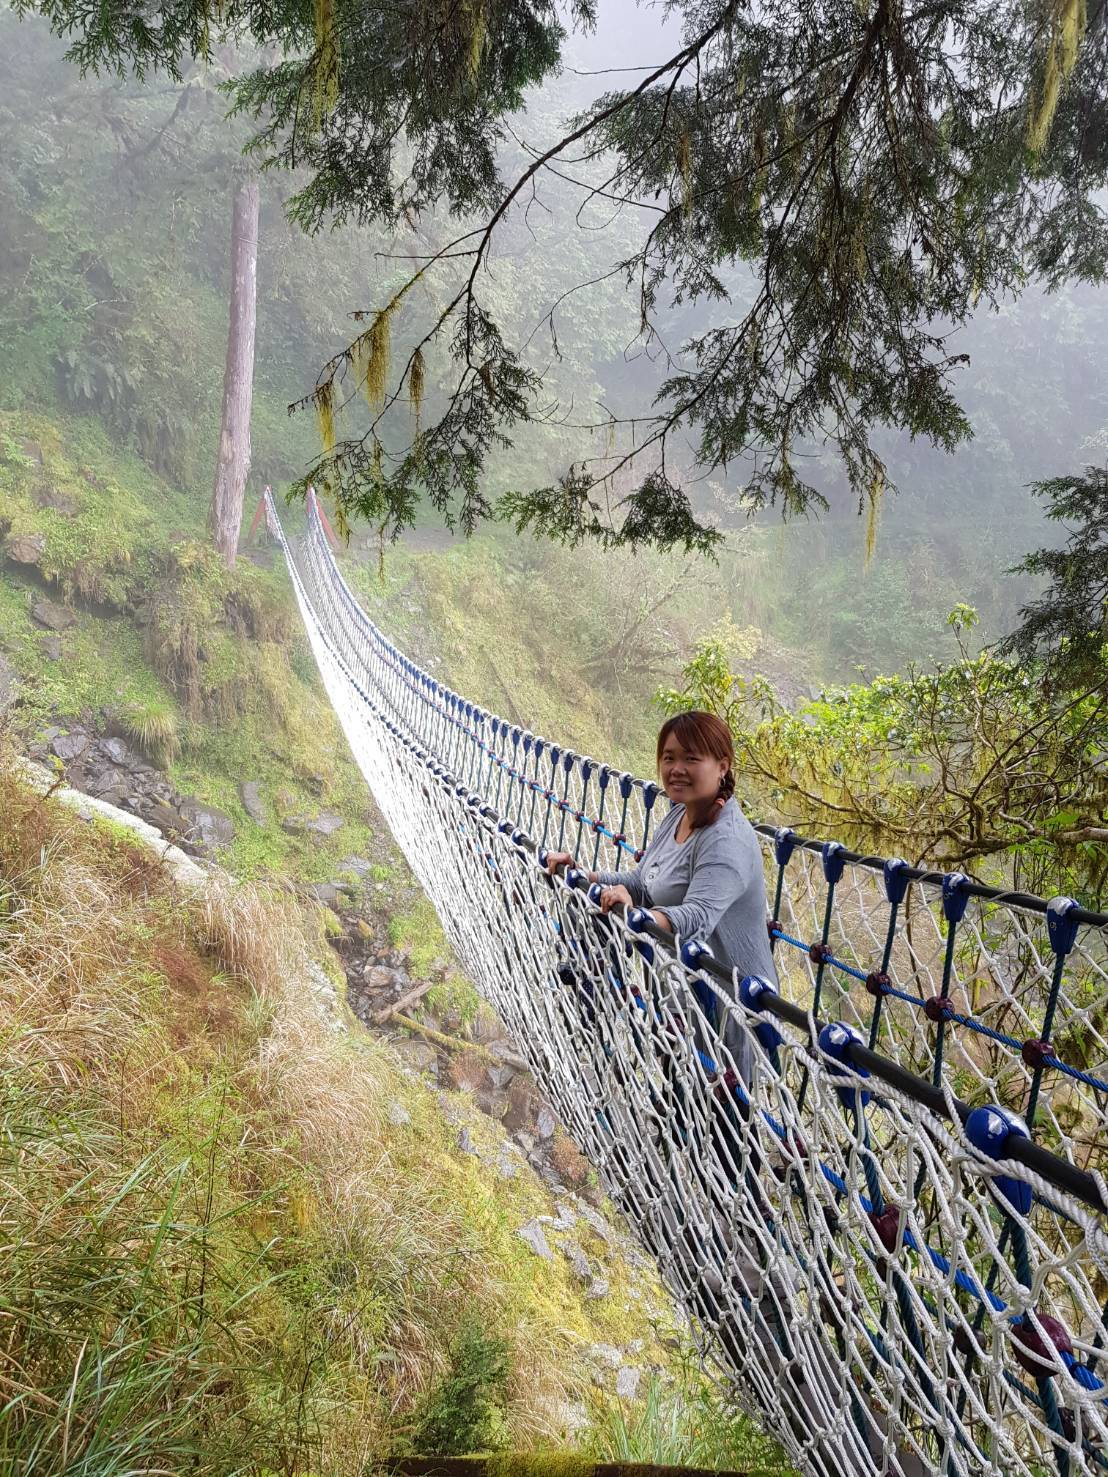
567	760
495	727
541	857
603	775
895	873
528	739
575	878
594	893
459	790
638	919
505	828
784	841
519	837
988	1130
835	1041
1060	923
752	990
650	793
540	745
954	896
473	802
693	952
587	767
517	734
834	860
486	812
555	752
625	783
468	710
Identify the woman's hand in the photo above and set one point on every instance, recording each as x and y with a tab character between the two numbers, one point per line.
615	897
556	859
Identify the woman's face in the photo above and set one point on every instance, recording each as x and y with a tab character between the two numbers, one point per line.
689	776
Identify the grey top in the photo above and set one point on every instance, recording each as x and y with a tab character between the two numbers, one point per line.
711	887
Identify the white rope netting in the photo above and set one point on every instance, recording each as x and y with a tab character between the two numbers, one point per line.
881	1285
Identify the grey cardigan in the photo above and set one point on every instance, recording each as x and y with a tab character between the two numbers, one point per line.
711	887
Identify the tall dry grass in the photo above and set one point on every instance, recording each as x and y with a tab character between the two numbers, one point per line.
223	1247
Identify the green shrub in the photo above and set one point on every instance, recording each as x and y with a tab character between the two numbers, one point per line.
464	1411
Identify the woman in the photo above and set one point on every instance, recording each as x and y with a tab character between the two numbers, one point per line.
701	875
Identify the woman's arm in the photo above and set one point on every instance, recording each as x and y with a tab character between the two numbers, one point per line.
631	879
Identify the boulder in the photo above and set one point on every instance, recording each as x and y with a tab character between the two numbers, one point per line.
54	617
52	648
206	825
324	892
25	548
359	865
627	1382
598	1288
294	825
418	1054
106	782
324	825
164	816
69	746
250	793
48	496
116	750
8	684
532	1234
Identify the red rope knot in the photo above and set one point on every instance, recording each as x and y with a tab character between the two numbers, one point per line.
1032	1349
819	953
597	825
773	926
938	1008
549	795
639	855
886	1226
795	1152
619	840
1035	1053
878	983
726	1085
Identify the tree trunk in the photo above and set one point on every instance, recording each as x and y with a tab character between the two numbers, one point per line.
233	458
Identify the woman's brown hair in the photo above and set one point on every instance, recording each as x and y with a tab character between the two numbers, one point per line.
704	733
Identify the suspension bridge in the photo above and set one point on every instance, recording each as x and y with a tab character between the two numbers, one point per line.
889	1233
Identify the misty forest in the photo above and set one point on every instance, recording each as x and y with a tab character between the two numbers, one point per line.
601	363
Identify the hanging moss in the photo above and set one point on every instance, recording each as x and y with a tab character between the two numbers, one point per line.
325	73
1067	28
325	415
372	358
477	22
873	512
415	384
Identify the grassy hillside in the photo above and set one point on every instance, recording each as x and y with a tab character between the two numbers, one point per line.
239	1237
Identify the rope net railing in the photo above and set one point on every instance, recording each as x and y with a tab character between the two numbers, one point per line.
889	1233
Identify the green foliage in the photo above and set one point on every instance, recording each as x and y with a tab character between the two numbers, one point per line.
464	1410
689	1423
978	763
1068	624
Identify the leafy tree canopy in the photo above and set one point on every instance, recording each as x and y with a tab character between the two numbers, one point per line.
827	190
1068	624
969	765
